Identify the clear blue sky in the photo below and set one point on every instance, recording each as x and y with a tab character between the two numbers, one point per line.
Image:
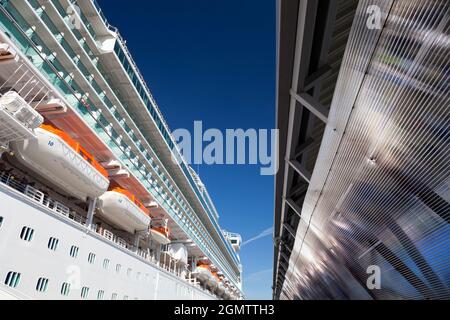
214	61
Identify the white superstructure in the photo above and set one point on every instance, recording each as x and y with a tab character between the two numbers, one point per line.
91	204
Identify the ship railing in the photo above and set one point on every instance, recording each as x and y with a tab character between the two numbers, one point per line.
10	180
42	198
33	193
109	235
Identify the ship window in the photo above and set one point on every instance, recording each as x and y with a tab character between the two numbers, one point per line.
118	267
129	272
12	279
125	297
42	284
84	292
91	257
27	234
138	276
114	296
65	289
100	294
106	263
74	251
1	221
52	243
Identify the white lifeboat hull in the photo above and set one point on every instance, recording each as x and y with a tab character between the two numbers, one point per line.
212	282
179	252
220	289
51	157
121	211
159	237
202	274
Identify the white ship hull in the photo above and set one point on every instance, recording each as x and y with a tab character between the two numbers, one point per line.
33	259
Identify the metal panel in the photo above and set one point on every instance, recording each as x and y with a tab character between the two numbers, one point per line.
380	189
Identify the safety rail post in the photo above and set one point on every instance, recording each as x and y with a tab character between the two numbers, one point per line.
91	211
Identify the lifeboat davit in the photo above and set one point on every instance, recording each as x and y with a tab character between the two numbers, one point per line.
122	208
63	161
159	231
202	272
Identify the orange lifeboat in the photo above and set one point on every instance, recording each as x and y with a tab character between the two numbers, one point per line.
122	208
59	158
159	230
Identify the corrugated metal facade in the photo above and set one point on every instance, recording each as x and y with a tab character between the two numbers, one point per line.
378	197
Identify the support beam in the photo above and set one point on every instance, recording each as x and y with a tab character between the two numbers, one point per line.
119	173
317	76
306	175
294	207
303	147
285	257
289	229
311	104
137	236
151	204
283	266
299	188
285	246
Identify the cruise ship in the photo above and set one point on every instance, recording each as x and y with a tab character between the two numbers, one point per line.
92	203
362	194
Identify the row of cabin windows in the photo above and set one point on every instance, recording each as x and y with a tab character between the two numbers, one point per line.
13	279
27	233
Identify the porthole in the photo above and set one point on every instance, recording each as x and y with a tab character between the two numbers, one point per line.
84	292
74	251
42	284
12	279
65	289
27	234
52	243
91	257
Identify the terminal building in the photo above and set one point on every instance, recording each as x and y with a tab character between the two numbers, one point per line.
362	194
